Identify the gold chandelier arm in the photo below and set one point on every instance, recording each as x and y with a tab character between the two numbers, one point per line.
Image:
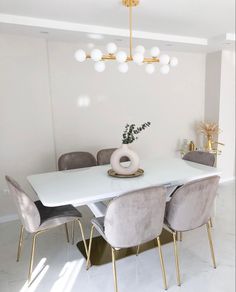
110	57
130	29
105	57
151	60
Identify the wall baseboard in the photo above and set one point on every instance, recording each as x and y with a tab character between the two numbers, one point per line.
8	218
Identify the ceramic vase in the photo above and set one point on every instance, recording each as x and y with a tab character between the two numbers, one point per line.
133	164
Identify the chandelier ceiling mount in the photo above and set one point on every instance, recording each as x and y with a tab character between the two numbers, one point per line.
129	3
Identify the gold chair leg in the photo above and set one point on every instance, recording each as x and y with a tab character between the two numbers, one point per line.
20	243
211	223
176	260
162	264
82	233
114	268
180	236
89	250
73	232
67	233
32	256
211	244
137	251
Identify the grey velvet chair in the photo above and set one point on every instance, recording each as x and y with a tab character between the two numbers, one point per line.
131	220
200	157
104	156
74	160
36	218
189	208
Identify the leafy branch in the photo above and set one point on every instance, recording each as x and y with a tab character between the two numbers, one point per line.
131	131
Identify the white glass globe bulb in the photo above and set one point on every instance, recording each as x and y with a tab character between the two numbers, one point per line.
121	57
96	55
165	69
140	49
100	66
80	55
123	68
138	58
155	52
150	68
111	48
174	62
164	59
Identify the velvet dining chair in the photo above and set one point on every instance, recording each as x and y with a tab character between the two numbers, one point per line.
189	208
200	157
132	219
74	160
36	218
104	156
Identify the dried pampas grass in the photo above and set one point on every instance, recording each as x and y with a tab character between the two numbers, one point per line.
209	129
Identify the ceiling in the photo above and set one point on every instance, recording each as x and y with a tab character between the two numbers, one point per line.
196	21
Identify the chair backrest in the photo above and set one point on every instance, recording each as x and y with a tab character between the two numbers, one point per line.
135	217
75	160
191	205
27	210
104	156
200	157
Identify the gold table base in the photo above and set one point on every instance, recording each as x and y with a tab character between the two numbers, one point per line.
101	250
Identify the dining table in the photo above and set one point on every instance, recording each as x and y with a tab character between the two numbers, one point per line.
93	186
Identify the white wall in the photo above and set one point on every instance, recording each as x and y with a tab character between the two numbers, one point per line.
227	114
212	89
29	122
26	136
220	105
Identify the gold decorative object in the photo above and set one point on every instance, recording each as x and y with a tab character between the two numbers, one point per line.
112	173
136	56
191	146
210	131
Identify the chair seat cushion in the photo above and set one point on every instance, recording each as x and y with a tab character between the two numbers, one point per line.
47	213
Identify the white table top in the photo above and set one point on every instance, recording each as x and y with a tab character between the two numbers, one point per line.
89	185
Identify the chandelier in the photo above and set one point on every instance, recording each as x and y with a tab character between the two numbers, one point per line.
135	56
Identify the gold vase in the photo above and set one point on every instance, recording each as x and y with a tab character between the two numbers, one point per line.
209	143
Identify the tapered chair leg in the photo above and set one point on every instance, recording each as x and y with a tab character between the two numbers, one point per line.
114	269
67	233
211	244
89	250
20	243
162	264
73	232
32	257
137	251
211	223
176	260
180	236
83	238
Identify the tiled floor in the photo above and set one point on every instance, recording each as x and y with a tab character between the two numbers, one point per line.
64	267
